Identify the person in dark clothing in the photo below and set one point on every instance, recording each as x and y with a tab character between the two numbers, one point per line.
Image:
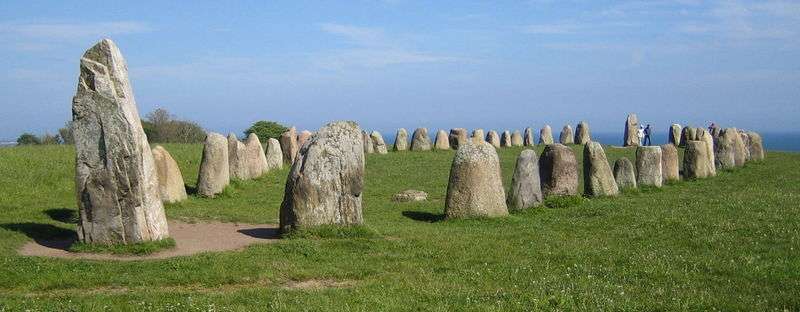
647	141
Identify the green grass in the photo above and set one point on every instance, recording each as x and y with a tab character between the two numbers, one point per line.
727	243
139	249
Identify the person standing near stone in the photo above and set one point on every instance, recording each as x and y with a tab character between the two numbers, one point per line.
624	173
442	142
493	139
236	158
255	158
670	170
326	181
274	155
116	181
582	133
648	166
289	145
647	132
528	137
401	140
516	138
457	137
420	140
526	189
478	136
378	144
559	171
475	188
597	175
675	136
546	135
369	146
214	173
631	131
505	140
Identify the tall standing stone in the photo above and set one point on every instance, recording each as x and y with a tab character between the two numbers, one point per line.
457	137
493	139
369	146
695	160
688	134
546	135
597	175
746	140
631	131
420	140
236	158
526	188
378	144
325	183
475	188
255	159
582	133
704	136
478	136
566	136
740	149
274	154
670	170
648	166
170	179
289	145
214	173
302	137
516	138
115	176
675	136
528	137
505	139
401	140
624	173
756	146
724	149
715	131
442	141
559	170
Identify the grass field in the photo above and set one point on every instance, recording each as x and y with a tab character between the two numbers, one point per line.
727	243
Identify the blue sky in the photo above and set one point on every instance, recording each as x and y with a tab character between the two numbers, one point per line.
398	63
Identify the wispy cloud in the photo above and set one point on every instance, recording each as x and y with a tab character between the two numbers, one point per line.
67	31
360	35
551	29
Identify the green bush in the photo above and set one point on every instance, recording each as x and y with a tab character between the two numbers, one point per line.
28	139
266	130
162	127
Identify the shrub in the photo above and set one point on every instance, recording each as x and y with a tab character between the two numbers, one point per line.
162	127
66	133
28	139
266	130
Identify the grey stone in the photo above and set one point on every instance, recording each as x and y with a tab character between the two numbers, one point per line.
401	140
378	144
516	138
505	139
457	137
546	135
493	139
410	196
302	137
724	149
170	179
740	149
236	158
582	133
755	145
420	140
528	137
559	170
214	173
598	177
675	135
631	131
475	188
442	141
624	173
255	158
702	135
478	136
369	146
695	160
746	141
526	189
566	135
670	169
648	166
289	145
274	155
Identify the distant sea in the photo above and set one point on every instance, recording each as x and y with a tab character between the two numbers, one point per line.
7	143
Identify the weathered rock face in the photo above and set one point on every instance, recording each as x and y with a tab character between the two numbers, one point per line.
493	139
442	142
526	189
528	137
631	136
756	146
675	135
476	186
236	158
597	175
739	148
457	137
566	135
746	141
289	145
255	158
704	136
688	134
559	171
170	179
378	144
401	140
505	139
410	196
624	173
115	176
214	167
715	131
670	170
302	137
420	140
546	135
582	133
325	183
516	138
648	166
369	146
695	160
724	150
274	155
478	136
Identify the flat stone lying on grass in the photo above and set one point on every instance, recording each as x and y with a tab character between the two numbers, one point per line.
695	160
457	137
274	154
115	176
505	139
170	179
442	141
648	166
237	167
566	135
675	136
475	188
526	189
401	140
631	137
378	144
670	170
255	158
420	140
546	135
559	171
410	196
598	178
325	183
528	137
214	173
493	139
516	138
624	173
289	145
582	133
478	136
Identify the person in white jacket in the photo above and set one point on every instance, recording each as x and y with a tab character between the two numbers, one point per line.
640	134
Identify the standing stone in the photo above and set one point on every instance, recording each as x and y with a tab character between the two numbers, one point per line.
302	137
688	134
289	145
582	133
115	176
274	155
631	131
401	140
214	167
236	158
170	179
624	173
695	160
756	146
566	135
476	186
516	138
325	183
724	149
526	189
675	135
457	137
546	135
528	137
559	170
442	141
740	149
378	143
505	140
670	170
746	141
648	166
704	136
369	146
255	159
420	140
597	174
493	139
478	136
715	131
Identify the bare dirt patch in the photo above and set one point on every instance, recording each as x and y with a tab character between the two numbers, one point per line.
315	284
190	239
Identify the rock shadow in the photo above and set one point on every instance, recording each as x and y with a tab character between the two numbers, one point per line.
423	216
262	233
47	235
64	215
190	190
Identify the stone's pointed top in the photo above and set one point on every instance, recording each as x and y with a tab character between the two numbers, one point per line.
232	136
252	137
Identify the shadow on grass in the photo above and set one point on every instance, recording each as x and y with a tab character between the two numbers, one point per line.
262	233
47	235
423	216
190	190
64	215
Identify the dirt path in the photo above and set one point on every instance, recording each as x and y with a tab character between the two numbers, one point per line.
190	238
